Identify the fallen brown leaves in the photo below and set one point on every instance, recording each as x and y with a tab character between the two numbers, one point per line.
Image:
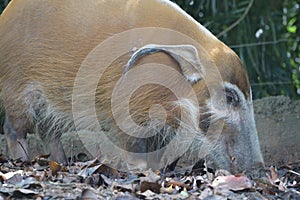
44	179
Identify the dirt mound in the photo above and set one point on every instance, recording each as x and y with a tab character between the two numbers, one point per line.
271	106
278	125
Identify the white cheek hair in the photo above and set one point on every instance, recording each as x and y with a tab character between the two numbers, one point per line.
190	110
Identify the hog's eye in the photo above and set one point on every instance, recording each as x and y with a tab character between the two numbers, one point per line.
232	96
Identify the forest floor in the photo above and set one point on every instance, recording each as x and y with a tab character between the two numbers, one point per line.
44	179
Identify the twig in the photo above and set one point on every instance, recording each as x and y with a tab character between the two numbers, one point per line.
237	21
23	149
292	171
259	43
273	83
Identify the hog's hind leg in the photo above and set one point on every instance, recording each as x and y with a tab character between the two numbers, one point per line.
16	138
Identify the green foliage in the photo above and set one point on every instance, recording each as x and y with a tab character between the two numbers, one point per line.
3	4
265	34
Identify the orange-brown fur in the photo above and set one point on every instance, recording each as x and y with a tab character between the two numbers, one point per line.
48	48
43	44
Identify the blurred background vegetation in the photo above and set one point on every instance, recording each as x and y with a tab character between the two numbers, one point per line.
265	34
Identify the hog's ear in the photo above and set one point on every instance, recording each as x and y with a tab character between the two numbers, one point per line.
186	56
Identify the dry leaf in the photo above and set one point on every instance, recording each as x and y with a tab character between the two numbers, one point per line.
168	190
9	175
148	194
108	171
154	187
3	158
184	193
274	174
88	194
124	187
232	182
88	171
179	184
150	176
26	191
55	167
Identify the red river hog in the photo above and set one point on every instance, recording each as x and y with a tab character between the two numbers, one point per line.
142	73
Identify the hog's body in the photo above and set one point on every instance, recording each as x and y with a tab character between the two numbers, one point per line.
43	44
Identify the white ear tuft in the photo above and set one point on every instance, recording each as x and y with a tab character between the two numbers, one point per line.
193	78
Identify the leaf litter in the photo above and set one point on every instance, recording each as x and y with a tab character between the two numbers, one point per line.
45	179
